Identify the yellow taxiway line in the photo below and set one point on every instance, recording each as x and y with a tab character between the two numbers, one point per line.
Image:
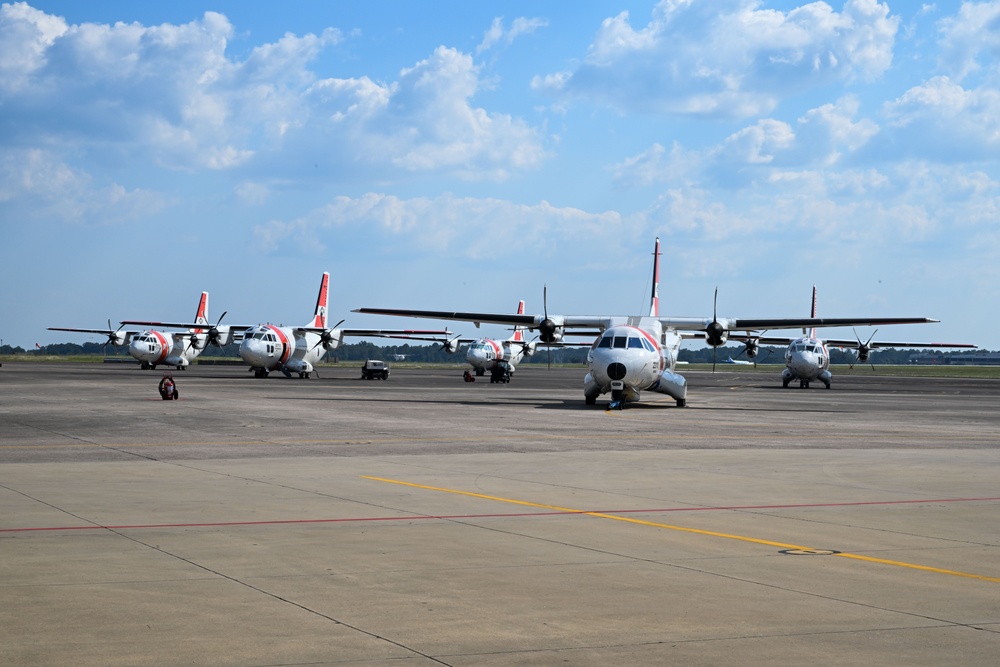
696	531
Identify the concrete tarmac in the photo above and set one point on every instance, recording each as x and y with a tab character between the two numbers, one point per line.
423	520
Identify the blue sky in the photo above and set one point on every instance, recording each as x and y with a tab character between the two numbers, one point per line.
462	155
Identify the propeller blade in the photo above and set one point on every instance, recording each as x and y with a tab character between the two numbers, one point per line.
545	312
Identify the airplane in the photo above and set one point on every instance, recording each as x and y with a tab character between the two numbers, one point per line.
266	347
500	357
738	362
152	347
807	358
638	353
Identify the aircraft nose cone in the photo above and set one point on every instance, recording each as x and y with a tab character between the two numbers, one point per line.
617	371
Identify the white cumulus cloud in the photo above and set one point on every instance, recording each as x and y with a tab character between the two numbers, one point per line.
727	57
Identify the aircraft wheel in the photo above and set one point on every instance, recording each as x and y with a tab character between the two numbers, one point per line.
480	372
784	383
590	400
682	402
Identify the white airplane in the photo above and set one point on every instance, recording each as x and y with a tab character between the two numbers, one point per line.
807	358
153	348
500	357
266	347
738	362
637	353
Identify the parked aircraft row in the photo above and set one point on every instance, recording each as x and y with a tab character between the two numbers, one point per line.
629	354
265	347
638	353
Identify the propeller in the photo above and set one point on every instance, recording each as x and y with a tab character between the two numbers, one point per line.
450	345
864	349
112	338
715	333
326	337
547	329
752	347
212	336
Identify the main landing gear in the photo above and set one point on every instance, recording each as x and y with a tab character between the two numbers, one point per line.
803	384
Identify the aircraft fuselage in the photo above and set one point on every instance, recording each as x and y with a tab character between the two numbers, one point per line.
266	347
154	348
485	353
627	359
806	359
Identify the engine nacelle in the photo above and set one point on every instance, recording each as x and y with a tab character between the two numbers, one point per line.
551	330
332	339
863	353
715	334
450	346
752	349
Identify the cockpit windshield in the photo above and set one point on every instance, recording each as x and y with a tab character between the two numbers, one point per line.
623	342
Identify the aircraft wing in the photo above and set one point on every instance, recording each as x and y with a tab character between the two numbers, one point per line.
854	344
383	333
118	337
528	321
96	331
761	324
187	325
762	340
851	343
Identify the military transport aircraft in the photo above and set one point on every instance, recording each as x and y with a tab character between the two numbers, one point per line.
499	357
636	353
266	347
807	358
152	347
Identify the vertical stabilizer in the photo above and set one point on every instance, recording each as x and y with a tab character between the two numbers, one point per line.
812	332
201	317
322	303
654	299
519	330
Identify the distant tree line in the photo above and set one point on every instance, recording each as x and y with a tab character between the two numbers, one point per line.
433	353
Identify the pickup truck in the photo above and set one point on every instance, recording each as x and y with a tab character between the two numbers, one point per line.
374	370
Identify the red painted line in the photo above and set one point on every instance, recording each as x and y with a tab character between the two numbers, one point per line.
490	516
